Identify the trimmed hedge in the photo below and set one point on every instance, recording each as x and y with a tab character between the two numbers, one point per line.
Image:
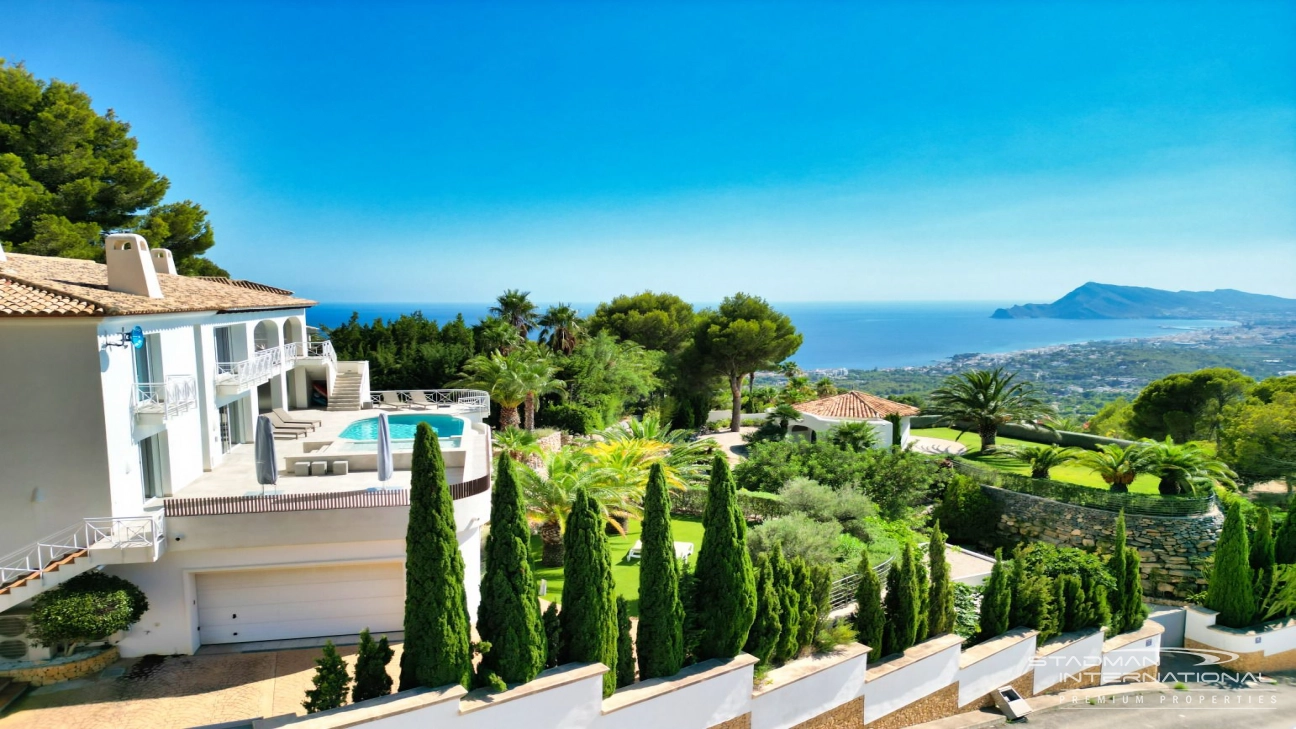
1154	505
571	417
756	506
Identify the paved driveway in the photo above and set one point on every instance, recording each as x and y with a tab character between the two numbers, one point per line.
178	691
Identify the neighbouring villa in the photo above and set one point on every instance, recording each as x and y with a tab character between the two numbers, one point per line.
824	414
132	395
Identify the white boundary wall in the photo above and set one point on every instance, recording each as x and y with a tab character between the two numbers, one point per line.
1005	665
1271	638
1081	655
893	690
812	692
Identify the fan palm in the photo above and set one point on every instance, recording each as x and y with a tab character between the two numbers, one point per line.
651	440
538	377
548	498
1043	458
825	387
562	327
500	375
986	399
515	307
854	436
1186	468
496	335
1116	465
519	444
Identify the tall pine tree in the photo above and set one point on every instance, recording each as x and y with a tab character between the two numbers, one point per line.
901	604
330	681
763	637
725	588
553	635
661	614
625	665
371	679
437	638
940	599
589	619
790	613
996	602
870	620
1230	591
508	616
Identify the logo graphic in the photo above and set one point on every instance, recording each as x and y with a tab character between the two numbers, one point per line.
1205	656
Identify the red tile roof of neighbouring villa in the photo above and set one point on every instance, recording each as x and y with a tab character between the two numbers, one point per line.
855	405
46	286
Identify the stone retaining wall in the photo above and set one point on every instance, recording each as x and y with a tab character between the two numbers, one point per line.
1172	548
43	675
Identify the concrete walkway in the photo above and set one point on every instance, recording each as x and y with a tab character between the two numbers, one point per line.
936	446
732	444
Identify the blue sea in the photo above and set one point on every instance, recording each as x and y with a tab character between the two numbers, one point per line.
866	335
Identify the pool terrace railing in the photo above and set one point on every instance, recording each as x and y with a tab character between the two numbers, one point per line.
1093	498
473	401
360	499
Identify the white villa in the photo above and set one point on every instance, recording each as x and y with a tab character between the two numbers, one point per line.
824	414
128	399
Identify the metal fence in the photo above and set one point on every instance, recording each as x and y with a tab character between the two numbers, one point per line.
842	592
367	498
473	401
1146	504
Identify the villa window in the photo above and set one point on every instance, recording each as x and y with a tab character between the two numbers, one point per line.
151	467
224	345
147	366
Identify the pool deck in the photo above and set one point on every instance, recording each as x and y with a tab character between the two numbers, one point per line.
236	475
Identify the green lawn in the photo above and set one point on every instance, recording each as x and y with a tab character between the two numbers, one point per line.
625	573
1144	484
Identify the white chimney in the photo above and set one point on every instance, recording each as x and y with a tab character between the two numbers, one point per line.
162	261
129	268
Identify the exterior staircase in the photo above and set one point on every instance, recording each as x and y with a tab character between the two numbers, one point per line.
10	691
346	392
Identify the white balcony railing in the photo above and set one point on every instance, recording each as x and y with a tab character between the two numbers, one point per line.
471	401
176	395
258	368
310	350
35	559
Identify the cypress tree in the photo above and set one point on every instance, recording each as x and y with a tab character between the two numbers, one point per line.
725	588
1230	591
1033	601
330	682
869	618
1285	542
790	613
1096	612
437	650
1069	599
768	625
509	614
371	679
1262	549
589	620
809	618
1133	611
625	665
1019	612
553	635
901	604
940	599
1128	588
692	621
661	614
996	603
921	592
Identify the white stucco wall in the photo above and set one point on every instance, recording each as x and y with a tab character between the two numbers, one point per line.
1131	658
721	696
574	705
997	669
793	703
1200	626
1082	656
904	686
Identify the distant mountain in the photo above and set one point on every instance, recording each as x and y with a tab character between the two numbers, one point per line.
1105	301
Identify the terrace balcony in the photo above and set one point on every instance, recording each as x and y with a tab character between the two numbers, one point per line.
158	402
235	377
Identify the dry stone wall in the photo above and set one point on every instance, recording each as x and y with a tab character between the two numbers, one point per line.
1172	548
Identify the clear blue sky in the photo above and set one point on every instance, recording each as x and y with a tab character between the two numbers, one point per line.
800	151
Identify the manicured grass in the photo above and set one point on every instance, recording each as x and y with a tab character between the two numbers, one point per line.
1076	474
626	574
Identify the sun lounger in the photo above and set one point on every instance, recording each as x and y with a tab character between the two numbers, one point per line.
281	424
392	399
289	419
683	550
419	399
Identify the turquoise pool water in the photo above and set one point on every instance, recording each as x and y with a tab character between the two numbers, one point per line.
403	427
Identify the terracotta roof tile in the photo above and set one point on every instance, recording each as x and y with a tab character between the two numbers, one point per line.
46	286
855	405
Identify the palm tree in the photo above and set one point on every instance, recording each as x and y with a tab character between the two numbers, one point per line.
1043	458
562	328
548	498
515	307
651	440
1116	465
824	387
500	375
760	398
986	399
538	378
519	444
496	335
856	436
1186	468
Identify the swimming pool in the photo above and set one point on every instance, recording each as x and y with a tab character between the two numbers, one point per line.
403	427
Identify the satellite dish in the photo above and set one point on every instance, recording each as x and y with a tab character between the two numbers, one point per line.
137	338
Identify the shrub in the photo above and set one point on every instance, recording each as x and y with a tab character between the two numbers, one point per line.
755	506
1262	548
798	535
553	635
847	506
1032	603
966	607
1285	542
371	679
940	602
869	618
831	635
625	663
661	614
726	588
966	512
996	602
437	650
803	583
87	608
901	629
790	612
571	417
922	588
330	682
1095	581
589	617
1230	591
692	614
763	637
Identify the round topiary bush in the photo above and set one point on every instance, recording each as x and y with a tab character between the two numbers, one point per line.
87	608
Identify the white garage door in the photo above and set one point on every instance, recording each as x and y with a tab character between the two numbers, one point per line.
302	602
